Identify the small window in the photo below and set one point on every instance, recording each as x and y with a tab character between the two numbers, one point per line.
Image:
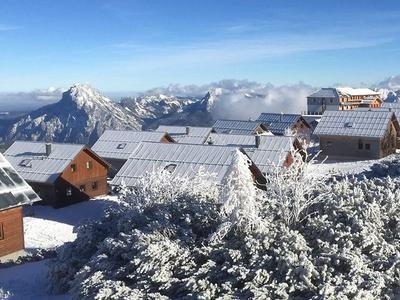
68	191
121	146
26	163
1	231
94	185
73	168
367	146
360	145
82	188
170	168
328	143
89	164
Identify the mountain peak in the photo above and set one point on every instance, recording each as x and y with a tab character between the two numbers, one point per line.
84	95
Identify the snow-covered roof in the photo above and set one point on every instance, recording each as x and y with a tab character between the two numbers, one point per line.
119	144
14	191
32	163
349	91
184	159
278	123
325	93
272	150
355	123
236	126
395	105
186	134
343	91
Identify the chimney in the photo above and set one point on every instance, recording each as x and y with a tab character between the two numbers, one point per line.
210	141
258	138
48	149
187	130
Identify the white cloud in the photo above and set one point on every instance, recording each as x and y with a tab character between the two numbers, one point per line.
29	100
243	99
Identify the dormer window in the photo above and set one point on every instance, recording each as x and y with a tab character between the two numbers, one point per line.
349	124
170	168
121	146
26	163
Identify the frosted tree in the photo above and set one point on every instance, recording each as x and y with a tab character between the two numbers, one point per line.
240	205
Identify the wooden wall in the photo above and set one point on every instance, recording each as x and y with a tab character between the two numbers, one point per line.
12	231
83	176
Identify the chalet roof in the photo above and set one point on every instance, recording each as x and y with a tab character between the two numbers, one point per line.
186	159
119	144
348	91
325	93
236	126
14	191
355	123
393	107
186	134
278	123
272	150
343	91
32	163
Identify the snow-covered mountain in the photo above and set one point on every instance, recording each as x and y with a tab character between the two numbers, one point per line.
157	109
80	116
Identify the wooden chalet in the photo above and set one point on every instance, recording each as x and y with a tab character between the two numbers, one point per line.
115	146
342	98
281	124
61	174
358	134
14	193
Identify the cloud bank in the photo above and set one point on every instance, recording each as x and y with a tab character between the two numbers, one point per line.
243	99
25	101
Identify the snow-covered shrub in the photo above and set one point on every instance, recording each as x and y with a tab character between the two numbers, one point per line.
240	199
158	245
293	190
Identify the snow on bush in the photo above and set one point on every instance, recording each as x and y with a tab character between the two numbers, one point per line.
294	189
159	244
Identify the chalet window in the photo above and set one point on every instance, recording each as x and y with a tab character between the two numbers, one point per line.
121	146
26	163
367	146
94	185
89	164
73	168
68	192
170	168
360	145
82	188
1	231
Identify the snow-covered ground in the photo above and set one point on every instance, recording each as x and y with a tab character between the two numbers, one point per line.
47	228
343	167
27	281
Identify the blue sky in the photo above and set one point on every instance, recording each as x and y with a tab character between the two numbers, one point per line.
132	45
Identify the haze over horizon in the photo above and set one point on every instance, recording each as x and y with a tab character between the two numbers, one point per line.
134	46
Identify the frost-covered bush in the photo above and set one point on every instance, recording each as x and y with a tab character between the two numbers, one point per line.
293	190
162	244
